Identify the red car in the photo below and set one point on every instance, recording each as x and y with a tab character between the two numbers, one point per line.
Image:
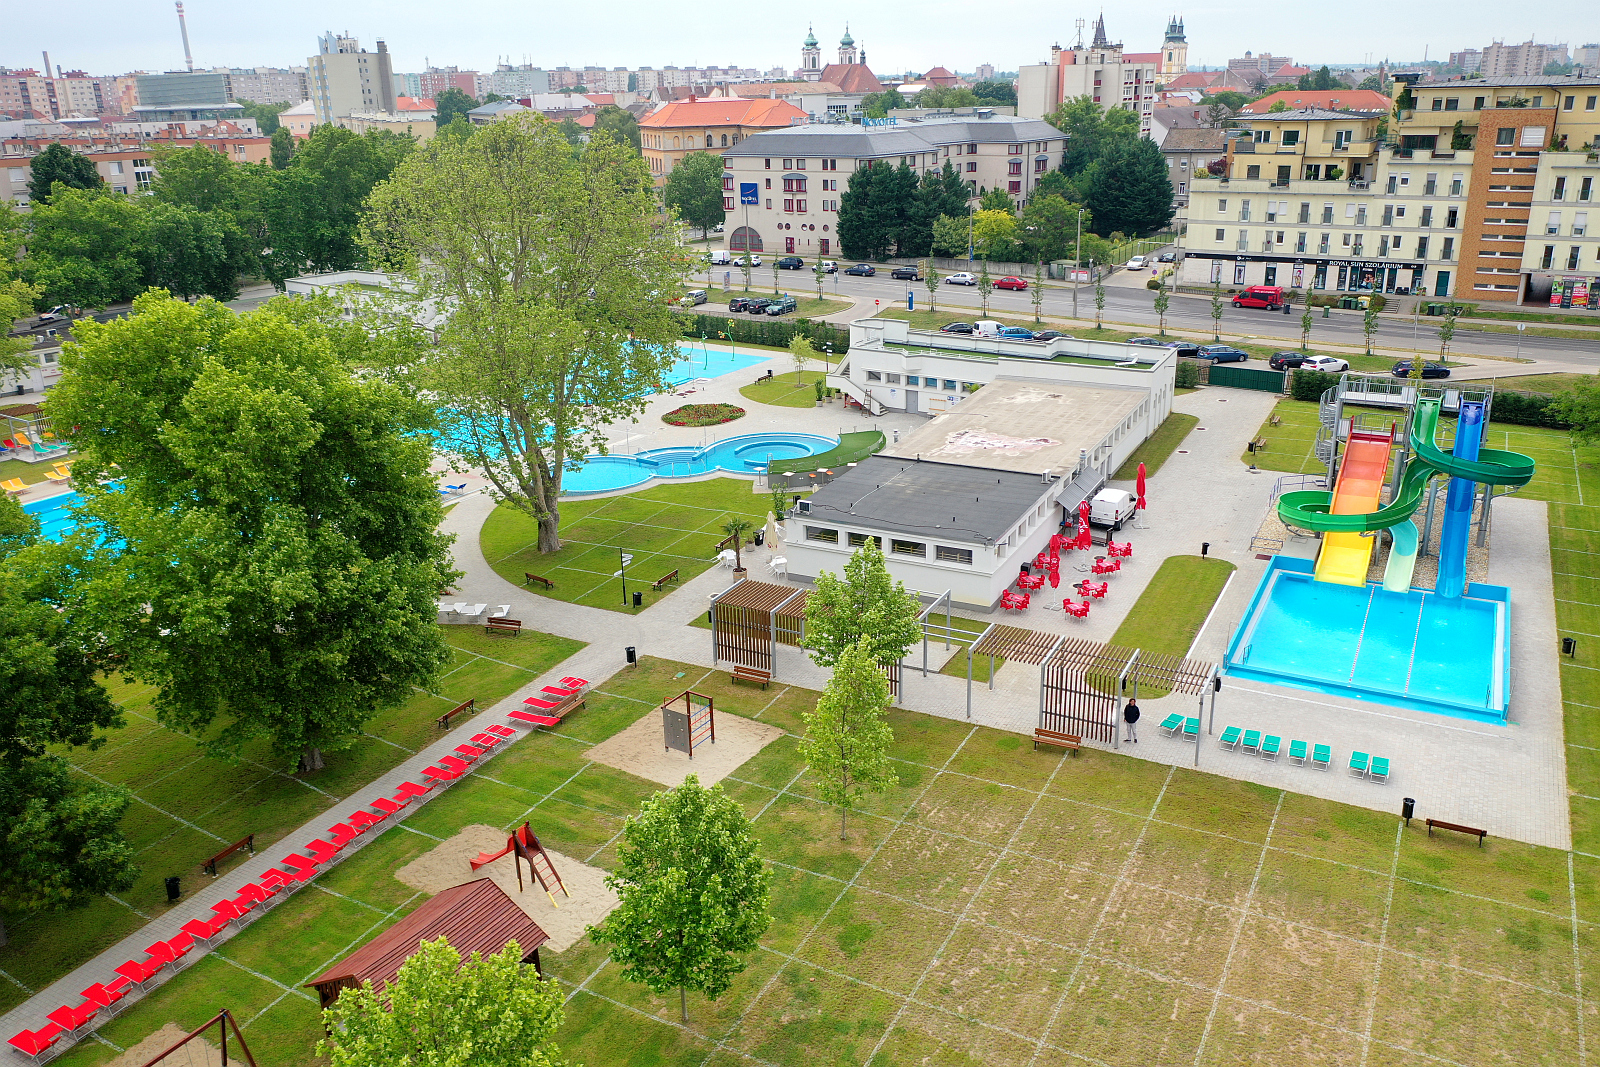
1010	282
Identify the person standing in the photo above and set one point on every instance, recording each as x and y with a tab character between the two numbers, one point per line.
1130	715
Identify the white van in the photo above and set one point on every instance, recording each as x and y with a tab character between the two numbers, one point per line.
986	328
1112	507
720	257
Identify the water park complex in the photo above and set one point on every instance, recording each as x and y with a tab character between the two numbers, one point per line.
1348	826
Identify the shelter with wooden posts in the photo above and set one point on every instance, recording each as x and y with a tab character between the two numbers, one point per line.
750	619
474	917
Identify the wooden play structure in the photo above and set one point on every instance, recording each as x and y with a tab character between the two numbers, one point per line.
523	844
688	720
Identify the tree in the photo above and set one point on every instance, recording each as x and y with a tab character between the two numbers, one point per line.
266	115
1369	325
620	124
88	248
1277	105
58	163
1216	311
1056	183
802	352
1129	189
735	528
1229	99
450	104
693	893
1306	319
1447	332
930	278
878	105
281	556
847	739
865	601
995	233
1099	298
441	1011
1002	94
1162	302
552	266
459	129
1048	227
195	253
694	190
950	236
1578	406
1324	81
863	231
1091	132
937	96
996	199
198	178
17	301
1460	140
985	287
282	147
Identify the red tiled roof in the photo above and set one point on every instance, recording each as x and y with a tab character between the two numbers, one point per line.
1195	80
1328	99
723	111
1141	57
601	99
411	103
851	78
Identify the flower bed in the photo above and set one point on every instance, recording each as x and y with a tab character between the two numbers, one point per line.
703	414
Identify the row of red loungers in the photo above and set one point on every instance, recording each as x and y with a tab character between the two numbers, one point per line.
103	1000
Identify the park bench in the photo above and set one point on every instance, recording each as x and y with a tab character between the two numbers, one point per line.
247	841
503	626
1458	828
1072	742
663	580
1258	445
751	674
444	720
529	579
1276	420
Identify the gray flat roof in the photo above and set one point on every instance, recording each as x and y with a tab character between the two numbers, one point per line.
864	142
1023	426
927	501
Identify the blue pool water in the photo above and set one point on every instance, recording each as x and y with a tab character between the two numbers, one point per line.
54	515
745	454
1414	649
708	362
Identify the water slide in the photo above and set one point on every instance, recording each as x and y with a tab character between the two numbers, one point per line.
1346	554
1316	510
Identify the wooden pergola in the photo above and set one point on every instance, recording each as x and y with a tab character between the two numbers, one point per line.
749	619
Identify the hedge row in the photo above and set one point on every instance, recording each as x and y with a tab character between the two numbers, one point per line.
1311	384
763	330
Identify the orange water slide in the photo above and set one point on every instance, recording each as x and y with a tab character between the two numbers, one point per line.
1345	556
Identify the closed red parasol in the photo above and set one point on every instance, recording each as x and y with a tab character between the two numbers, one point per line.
1140	505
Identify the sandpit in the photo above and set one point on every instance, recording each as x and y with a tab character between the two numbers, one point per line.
447	865
199	1053
640	751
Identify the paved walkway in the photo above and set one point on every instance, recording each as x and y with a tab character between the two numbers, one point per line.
1508	779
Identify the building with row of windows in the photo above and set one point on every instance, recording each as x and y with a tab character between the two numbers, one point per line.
1104	72
1481	191
125	161
781	188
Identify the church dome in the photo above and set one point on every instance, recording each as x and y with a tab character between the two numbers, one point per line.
847	41
811	38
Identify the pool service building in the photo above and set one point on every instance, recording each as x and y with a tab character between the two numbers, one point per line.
962	502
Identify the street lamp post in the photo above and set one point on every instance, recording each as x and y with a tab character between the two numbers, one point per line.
969	236
1077	262
623	559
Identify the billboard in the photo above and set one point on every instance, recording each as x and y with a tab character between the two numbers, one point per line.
749	193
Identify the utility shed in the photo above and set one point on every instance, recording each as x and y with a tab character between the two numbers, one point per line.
476	916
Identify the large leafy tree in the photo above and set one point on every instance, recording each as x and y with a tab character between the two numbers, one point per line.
266	115
450	104
882	211
847	738
196	253
996	92
88	247
441	1011
878	105
60	839
17	300
556	271
694	894
282	148
200	179
1129	189
995	234
620	124
1048	228
58	163
1090	132
866	601
279	555
694	190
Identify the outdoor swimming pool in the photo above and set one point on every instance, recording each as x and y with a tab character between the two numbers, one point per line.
745	454
54	515
697	361
1414	649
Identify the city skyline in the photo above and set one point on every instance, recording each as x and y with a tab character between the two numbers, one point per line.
145	37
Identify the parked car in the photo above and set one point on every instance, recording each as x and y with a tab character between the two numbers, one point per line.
1221	354
1286	360
755	260
781	305
1010	281
1051	335
739	303
1327	364
60	311
958	327
1136	263
696	296
862	270
962	278
1260	296
1186	349
717	228
1167	257
791	263
827	266
757	305
906	274
1147	341
1015	333
1429	370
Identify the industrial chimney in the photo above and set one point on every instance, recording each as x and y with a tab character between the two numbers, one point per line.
184	29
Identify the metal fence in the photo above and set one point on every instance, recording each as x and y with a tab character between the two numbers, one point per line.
1267	381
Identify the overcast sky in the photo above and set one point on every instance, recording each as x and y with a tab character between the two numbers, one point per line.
116	36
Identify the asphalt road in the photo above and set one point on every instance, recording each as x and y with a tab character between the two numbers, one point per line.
1131	303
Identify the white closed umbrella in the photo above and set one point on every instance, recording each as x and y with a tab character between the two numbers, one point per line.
772	531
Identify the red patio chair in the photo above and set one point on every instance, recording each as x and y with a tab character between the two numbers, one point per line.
161	953
468	753
138	971
364	821
107	996
486	741
410	791
180	947
200	930
74	1018
387	806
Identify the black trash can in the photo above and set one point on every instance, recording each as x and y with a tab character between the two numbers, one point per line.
761	538
1407	807
638	600
633	657
173	892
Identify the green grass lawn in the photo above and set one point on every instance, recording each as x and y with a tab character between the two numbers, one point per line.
1174	605
666	528
31	473
1160	446
1533	383
783	391
187	806
1000	906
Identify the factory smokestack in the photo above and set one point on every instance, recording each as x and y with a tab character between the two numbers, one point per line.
47	73
184	29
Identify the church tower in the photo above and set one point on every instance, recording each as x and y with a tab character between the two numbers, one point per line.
847	48
810	57
1174	51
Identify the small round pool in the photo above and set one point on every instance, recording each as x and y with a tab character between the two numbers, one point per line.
746	454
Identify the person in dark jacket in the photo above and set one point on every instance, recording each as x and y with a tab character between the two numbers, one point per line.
1130	715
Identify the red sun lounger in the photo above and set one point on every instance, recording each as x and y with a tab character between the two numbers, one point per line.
139	971
468	753
201	930
558	692
450	763
440	774
364	821
343	833
34	1043
321	851
502	732
538	702
485	740
387	806
74	1018
538	720
573	682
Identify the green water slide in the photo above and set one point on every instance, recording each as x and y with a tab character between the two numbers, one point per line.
1309	510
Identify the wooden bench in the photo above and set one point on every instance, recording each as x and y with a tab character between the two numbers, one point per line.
1073	742
247	841
444	720
503	626
1258	445
529	579
1276	420
663	580
1458	828
751	674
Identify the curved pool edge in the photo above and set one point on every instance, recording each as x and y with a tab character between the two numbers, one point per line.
649	468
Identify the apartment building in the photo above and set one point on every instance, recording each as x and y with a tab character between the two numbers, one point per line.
346	79
435	80
783	187
1102	71
677	129
267	85
127	168
28	94
516	82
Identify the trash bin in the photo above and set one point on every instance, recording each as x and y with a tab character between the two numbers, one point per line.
638	600
173	892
